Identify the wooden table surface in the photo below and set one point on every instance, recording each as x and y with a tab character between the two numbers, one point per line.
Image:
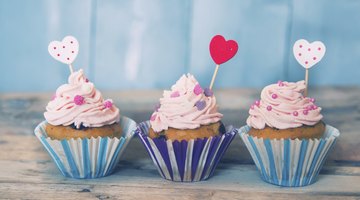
27	172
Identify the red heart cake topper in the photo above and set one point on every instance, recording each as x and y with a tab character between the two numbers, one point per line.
221	50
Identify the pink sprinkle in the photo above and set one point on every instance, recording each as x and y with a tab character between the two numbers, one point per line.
86	80
269	108
295	113
319	48
108	104
274	96
315	107
153	117
71	42
79	100
306	62
312	100
309	49
63	47
175	94
257	103
305	112
58	54
252	107
280	83
300	46
72	51
299	54
54	47
314	58
197	89
309	107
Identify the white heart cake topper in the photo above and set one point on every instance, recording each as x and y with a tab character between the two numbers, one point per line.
308	54
64	51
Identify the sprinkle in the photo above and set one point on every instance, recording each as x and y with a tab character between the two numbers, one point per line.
280	83
252	107
309	107
108	104
86	80
312	100
200	105
315	107
79	100
208	92
274	96
53	97
305	112
295	113
269	108
175	94
153	117
257	103
197	89
157	106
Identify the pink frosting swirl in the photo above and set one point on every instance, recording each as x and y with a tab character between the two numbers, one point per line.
79	103
283	106
186	106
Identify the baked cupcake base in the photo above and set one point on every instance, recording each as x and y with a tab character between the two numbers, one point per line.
204	131
88	157
303	132
289	162
68	132
185	161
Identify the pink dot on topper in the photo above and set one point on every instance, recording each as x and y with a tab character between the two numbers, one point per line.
197	89
222	50
79	100
305	56
65	55
108	104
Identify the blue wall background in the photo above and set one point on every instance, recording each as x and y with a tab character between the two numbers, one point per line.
145	44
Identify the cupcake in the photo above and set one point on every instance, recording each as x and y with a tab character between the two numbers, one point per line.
83	133
286	136
185	136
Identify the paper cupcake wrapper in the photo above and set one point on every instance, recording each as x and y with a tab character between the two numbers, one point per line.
288	162
194	160
87	158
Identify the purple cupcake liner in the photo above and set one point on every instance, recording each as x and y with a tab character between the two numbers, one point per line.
185	161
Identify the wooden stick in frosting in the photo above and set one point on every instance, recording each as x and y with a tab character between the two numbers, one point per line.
308	54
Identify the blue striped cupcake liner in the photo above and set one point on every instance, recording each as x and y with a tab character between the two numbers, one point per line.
87	158
185	161
288	162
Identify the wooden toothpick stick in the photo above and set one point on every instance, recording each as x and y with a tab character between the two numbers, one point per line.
306	82
214	76
71	68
